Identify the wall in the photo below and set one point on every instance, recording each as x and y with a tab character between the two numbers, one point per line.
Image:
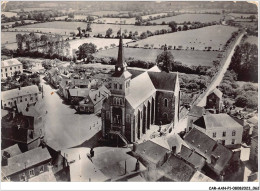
215	104
9	72
31	98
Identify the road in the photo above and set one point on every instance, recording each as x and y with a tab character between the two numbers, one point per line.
64	128
220	76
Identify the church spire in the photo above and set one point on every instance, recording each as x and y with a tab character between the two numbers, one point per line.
120	58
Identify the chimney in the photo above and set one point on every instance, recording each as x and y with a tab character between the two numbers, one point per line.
137	165
5	157
92	152
174	149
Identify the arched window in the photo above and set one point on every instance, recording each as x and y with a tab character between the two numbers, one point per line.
121	101
165	102
165	116
115	85
114	100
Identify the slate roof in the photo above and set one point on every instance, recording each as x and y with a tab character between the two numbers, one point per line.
253	120
177	170
176	140
10	62
213	121
12	150
154	69
217	92
196	111
30	158
207	147
151	151
9	94
36	109
163	80
199	177
141	88
135	72
79	92
192	157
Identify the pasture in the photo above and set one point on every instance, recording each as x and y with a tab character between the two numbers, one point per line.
31	9
153	15
11	23
212	36
115	20
100	43
187	57
9	14
252	40
203	18
8	37
241	15
64	28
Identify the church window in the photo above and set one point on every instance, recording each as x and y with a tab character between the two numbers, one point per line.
114	100
165	102
115	86
107	114
121	101
120	86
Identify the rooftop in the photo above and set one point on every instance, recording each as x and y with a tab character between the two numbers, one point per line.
221	120
217	92
196	111
12	150
10	62
26	160
9	94
159	80
36	109
79	92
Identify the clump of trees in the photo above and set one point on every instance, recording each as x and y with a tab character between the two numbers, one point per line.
85	51
245	62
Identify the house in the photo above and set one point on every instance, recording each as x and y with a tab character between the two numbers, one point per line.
28	94
218	157
253	121
11	151
77	94
24	126
150	154
93	102
214	101
222	128
9	67
25	166
52	76
195	113
136	103
253	157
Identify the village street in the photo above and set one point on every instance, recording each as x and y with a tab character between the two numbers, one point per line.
64	128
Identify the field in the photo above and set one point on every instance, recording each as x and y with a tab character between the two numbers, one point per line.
31	9
9	14
11	23
203	18
64	28
115	20
102	13
9	37
213	36
240	15
252	40
153	15
100	43
187	57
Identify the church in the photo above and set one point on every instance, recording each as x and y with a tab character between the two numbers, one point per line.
138	99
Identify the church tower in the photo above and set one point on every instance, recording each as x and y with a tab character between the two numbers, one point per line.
119	87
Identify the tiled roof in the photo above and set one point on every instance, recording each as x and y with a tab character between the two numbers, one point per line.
9	94
176	169
26	160
217	92
177	141
36	109
141	88
221	120
192	157
163	80
196	111
12	150
10	62
151	151
207	147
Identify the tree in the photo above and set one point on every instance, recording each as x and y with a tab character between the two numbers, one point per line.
71	15
19	40
252	17
143	35
86	50
166	60
109	32
139	19
179	28
79	29
185	27
88	29
173	26
27	41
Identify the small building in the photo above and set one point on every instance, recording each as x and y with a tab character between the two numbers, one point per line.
218	158
9	67
214	101
253	121
25	166
222	128
195	113
11	151
253	157
93	102
52	76
11	98
76	95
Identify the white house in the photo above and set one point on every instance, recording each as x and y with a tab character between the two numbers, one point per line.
9	67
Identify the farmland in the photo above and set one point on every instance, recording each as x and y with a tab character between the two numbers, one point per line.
153	15
213	36
9	14
31	9
64	28
187	57
203	18
241	15
9	37
115	20
11	23
252	40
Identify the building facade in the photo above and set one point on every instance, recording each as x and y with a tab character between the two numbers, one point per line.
214	101
28	94
9	67
137	101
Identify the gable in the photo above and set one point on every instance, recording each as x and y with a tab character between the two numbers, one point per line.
163	80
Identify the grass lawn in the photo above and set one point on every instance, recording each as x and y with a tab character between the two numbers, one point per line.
153	15
212	36
9	37
9	14
252	40
64	28
115	20
187	57
241	15
190	17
